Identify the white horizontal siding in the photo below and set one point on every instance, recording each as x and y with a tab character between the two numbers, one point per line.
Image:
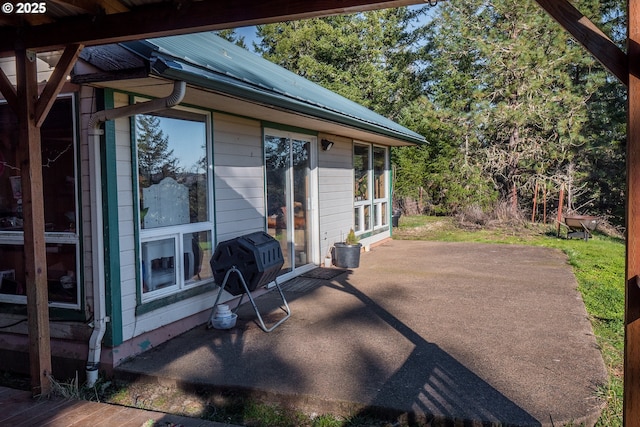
87	101
169	314
239	176
335	192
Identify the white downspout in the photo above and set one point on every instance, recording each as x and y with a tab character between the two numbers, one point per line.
100	317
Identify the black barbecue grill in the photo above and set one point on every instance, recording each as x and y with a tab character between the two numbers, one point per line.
242	265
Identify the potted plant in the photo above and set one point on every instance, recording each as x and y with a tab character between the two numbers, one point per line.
347	254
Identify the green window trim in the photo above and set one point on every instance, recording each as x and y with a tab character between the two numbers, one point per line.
113	291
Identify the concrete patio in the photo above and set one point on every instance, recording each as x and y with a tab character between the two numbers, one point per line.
446	333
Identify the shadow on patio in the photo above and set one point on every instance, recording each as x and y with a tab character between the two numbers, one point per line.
441	332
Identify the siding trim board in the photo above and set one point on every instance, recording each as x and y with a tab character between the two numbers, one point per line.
111	231
287	128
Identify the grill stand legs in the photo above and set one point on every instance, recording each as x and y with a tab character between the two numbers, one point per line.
233	269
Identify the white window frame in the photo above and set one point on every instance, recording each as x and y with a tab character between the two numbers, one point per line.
376	206
177	232
312	202
379	203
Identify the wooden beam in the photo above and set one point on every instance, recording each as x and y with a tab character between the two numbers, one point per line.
16	20
93	7
171	18
632	293
589	35
56	81
631	397
35	257
8	91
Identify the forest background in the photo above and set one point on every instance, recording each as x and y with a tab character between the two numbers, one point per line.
511	106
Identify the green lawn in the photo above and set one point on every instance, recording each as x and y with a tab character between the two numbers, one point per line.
599	266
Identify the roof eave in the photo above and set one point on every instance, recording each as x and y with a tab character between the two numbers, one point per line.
227	85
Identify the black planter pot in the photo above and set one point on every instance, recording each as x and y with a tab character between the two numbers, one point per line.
346	256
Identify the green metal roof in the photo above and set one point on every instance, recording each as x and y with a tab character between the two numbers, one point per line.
209	61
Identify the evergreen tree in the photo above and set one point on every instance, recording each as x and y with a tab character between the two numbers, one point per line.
367	57
155	159
505	97
517	86
230	35
603	155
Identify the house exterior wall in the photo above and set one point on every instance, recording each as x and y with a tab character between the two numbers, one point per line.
238	159
239	208
336	196
335	192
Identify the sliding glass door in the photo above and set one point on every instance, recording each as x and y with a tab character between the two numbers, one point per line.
290	195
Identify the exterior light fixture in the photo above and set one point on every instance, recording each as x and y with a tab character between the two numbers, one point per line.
326	144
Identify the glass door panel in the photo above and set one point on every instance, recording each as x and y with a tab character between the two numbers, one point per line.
277	159
301	198
288	169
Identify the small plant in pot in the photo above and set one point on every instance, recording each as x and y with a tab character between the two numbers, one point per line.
347	254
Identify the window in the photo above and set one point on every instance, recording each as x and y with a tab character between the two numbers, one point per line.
174	190
380	198
60	207
371	201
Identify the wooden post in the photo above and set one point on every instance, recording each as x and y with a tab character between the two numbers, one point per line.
544	203
535	203
30	161
560	207
632	292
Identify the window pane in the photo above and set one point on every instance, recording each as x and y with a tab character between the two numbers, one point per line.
379	164
277	161
197	248
61	276
367	217
376	214
58	169
61	272
59	193
301	194
172	169
361	171
158	264
385	208
357	226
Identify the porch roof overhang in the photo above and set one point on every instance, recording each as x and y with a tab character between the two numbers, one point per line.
252	85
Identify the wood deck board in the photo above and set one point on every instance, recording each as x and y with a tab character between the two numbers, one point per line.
15	405
95	413
19	408
6	392
75	414
122	416
45	414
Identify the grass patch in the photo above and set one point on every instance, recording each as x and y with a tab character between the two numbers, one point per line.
599	267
